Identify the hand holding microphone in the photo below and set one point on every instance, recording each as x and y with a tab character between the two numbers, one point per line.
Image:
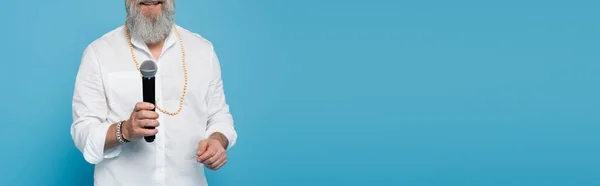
141	123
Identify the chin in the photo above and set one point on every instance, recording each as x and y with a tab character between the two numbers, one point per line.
152	15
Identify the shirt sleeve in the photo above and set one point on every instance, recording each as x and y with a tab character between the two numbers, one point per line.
90	124
219	117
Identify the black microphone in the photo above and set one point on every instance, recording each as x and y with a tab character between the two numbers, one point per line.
148	70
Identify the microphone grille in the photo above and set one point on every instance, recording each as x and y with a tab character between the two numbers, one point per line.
148	68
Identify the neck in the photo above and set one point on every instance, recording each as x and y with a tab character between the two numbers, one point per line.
156	48
158	44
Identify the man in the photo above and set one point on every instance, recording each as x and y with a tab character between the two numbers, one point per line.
192	123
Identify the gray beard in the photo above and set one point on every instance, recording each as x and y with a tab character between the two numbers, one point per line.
146	29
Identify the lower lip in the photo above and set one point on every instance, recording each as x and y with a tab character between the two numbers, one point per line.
156	5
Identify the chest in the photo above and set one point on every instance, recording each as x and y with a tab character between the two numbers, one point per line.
177	77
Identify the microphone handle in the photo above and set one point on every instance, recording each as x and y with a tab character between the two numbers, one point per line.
149	97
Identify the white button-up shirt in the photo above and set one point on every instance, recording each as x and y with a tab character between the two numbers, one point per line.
108	85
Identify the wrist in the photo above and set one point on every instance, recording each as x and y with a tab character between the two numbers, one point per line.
126	126
220	138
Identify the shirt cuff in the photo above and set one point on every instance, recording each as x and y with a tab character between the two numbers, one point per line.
94	149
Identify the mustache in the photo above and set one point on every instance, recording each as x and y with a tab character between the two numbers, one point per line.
133	7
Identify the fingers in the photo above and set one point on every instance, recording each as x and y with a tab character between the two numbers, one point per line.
143	106
148	124
150	132
206	155
212	160
146	132
220	164
146	119
222	159
145	114
202	148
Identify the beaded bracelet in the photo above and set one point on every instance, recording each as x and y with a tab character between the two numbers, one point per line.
119	134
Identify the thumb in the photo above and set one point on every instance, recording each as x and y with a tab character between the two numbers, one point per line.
202	147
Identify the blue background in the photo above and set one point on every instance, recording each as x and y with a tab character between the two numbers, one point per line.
341	92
